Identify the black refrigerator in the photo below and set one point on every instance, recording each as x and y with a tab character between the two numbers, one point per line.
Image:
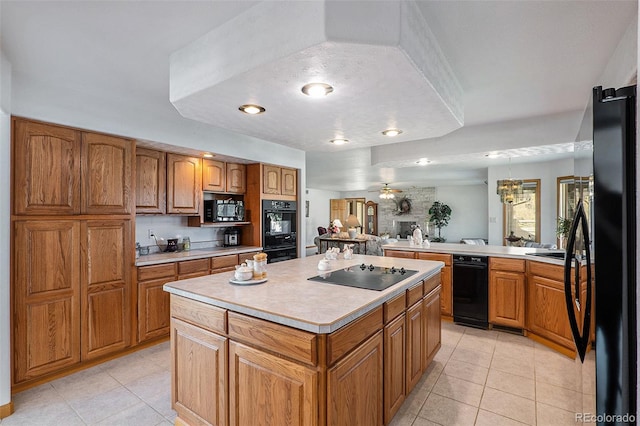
600	264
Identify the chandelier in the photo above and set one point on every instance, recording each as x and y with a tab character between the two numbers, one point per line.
387	195
510	190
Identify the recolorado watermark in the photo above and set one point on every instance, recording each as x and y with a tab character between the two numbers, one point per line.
605	418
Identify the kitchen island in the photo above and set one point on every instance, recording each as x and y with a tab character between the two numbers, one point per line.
292	351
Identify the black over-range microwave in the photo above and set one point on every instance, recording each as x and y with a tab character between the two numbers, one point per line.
223	211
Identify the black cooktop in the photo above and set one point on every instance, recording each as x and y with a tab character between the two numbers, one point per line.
365	276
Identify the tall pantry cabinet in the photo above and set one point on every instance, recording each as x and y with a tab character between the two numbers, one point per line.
72	256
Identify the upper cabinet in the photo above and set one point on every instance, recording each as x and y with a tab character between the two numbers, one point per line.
184	184
60	170
279	181
151	172
106	174
46	162
218	176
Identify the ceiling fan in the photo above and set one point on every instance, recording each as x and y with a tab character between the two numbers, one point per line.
387	193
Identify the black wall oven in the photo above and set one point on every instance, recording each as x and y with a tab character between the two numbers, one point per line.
279	222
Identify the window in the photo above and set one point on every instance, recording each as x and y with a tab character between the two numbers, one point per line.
522	220
570	190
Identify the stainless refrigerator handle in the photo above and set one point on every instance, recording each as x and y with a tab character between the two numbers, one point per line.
580	333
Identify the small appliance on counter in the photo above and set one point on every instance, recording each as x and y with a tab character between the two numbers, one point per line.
172	245
223	210
231	237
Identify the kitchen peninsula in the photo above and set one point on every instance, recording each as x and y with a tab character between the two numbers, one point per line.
293	351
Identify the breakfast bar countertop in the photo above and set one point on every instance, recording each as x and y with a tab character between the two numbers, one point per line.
159	258
478	250
289	298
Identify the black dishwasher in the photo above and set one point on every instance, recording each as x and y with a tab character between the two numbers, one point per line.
471	290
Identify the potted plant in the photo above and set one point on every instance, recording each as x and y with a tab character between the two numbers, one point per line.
563	228
440	215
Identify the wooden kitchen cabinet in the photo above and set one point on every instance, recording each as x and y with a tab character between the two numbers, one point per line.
271	180
446	296
214	176
361	369
507	292
106	174
415	345
394	366
106	287
288	179
292	396
199	357
236	178
46	165
153	302
403	254
432	326
46	305
184	184
546	307
151	175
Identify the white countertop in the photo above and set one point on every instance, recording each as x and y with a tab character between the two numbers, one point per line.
159	258
471	249
290	299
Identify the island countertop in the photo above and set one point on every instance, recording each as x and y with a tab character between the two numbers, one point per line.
289	298
478	250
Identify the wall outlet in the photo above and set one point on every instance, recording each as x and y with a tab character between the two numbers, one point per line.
151	233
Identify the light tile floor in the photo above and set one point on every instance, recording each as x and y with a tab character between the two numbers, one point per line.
479	377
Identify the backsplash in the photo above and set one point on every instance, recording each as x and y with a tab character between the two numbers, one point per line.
165	226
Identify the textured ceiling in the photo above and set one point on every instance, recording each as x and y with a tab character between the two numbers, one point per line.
386	69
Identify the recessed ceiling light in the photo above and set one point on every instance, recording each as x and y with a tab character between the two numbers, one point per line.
207	155
317	90
251	109
392	132
339	141
423	161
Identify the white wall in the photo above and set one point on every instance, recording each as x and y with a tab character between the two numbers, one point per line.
469	211
319	210
547	172
5	227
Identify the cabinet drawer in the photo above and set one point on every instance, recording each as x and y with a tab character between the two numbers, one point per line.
554	272
431	283
200	314
502	264
414	294
224	261
446	258
394	307
296	344
192	266
243	257
348	337
400	253
146	273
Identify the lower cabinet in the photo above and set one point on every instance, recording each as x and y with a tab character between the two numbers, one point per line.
360	370
507	292
394	366
432	326
415	346
153	301
269	390
199	360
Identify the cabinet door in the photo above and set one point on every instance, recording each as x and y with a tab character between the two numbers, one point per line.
289	179
198	374
153	309
400	253
46	297
184	184
547	312
271	180
394	367
415	345
46	165
106	271
214	176
275	391
506	298
106	174
446	296
151	174
236	178
432	326
358	374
